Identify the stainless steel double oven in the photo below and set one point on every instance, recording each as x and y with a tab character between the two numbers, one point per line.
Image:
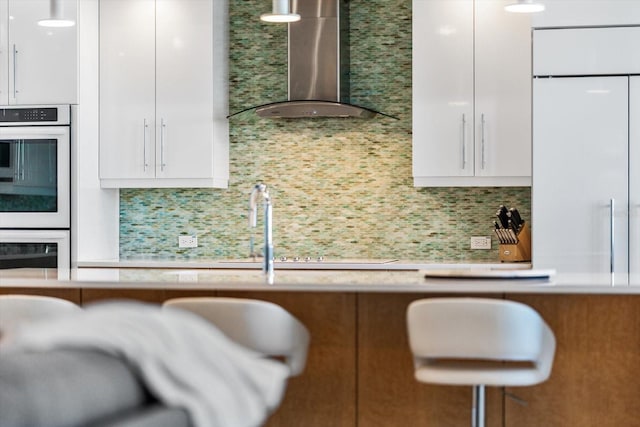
35	187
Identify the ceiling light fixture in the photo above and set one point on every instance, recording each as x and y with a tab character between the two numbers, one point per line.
56	16
280	13
524	6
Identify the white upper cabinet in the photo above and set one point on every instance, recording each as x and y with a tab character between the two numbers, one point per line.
442	89
157	124
584	13
471	94
592	51
38	65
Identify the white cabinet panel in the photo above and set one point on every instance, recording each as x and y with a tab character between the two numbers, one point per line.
127	89
580	163
4	52
42	61
471	94
591	51
634	179
578	13
442	88
184	89
157	95
502	91
38	65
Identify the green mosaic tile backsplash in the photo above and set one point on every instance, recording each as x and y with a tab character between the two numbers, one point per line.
341	188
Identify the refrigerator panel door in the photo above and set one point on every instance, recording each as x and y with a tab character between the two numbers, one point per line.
580	163
634	180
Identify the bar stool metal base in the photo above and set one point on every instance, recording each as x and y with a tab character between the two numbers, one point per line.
477	410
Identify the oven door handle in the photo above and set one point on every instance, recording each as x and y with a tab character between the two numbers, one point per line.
22	168
16	161
33	132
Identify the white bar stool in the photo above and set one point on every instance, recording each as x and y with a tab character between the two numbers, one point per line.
479	342
262	326
18	309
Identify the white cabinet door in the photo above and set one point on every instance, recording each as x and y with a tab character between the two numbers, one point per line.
634	179
442	89
4	52
42	61
157	95
127	89
471	94
587	13
184	89
580	163
502	91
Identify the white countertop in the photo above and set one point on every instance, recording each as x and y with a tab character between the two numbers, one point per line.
310	280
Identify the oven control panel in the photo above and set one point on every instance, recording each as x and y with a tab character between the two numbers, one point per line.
21	115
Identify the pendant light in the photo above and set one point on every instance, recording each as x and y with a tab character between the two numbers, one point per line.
280	13
524	6
56	16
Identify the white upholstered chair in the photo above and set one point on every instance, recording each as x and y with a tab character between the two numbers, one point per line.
479	342
262	326
16	309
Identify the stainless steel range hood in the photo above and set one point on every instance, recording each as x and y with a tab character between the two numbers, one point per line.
318	65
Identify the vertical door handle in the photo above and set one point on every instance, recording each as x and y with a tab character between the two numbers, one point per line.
22	168
16	172
163	126
612	238
464	137
15	67
144	143
482	148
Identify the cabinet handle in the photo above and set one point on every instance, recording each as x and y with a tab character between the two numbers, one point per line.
15	66
464	137
144	144
163	126
483	162
612	235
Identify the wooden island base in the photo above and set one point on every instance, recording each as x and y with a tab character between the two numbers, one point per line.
359	370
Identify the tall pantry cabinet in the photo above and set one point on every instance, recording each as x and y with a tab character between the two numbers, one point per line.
586	158
157	123
471	94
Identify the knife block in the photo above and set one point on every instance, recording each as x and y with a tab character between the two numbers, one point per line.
517	252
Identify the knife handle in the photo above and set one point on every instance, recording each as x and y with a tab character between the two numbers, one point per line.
516	216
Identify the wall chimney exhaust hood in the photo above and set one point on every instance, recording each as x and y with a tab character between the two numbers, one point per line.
318	65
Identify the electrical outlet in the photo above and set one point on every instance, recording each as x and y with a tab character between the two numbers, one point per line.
187	241
481	242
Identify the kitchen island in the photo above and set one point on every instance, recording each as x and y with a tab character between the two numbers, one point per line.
360	370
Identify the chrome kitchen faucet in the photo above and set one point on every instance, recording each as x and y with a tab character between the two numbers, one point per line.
260	192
